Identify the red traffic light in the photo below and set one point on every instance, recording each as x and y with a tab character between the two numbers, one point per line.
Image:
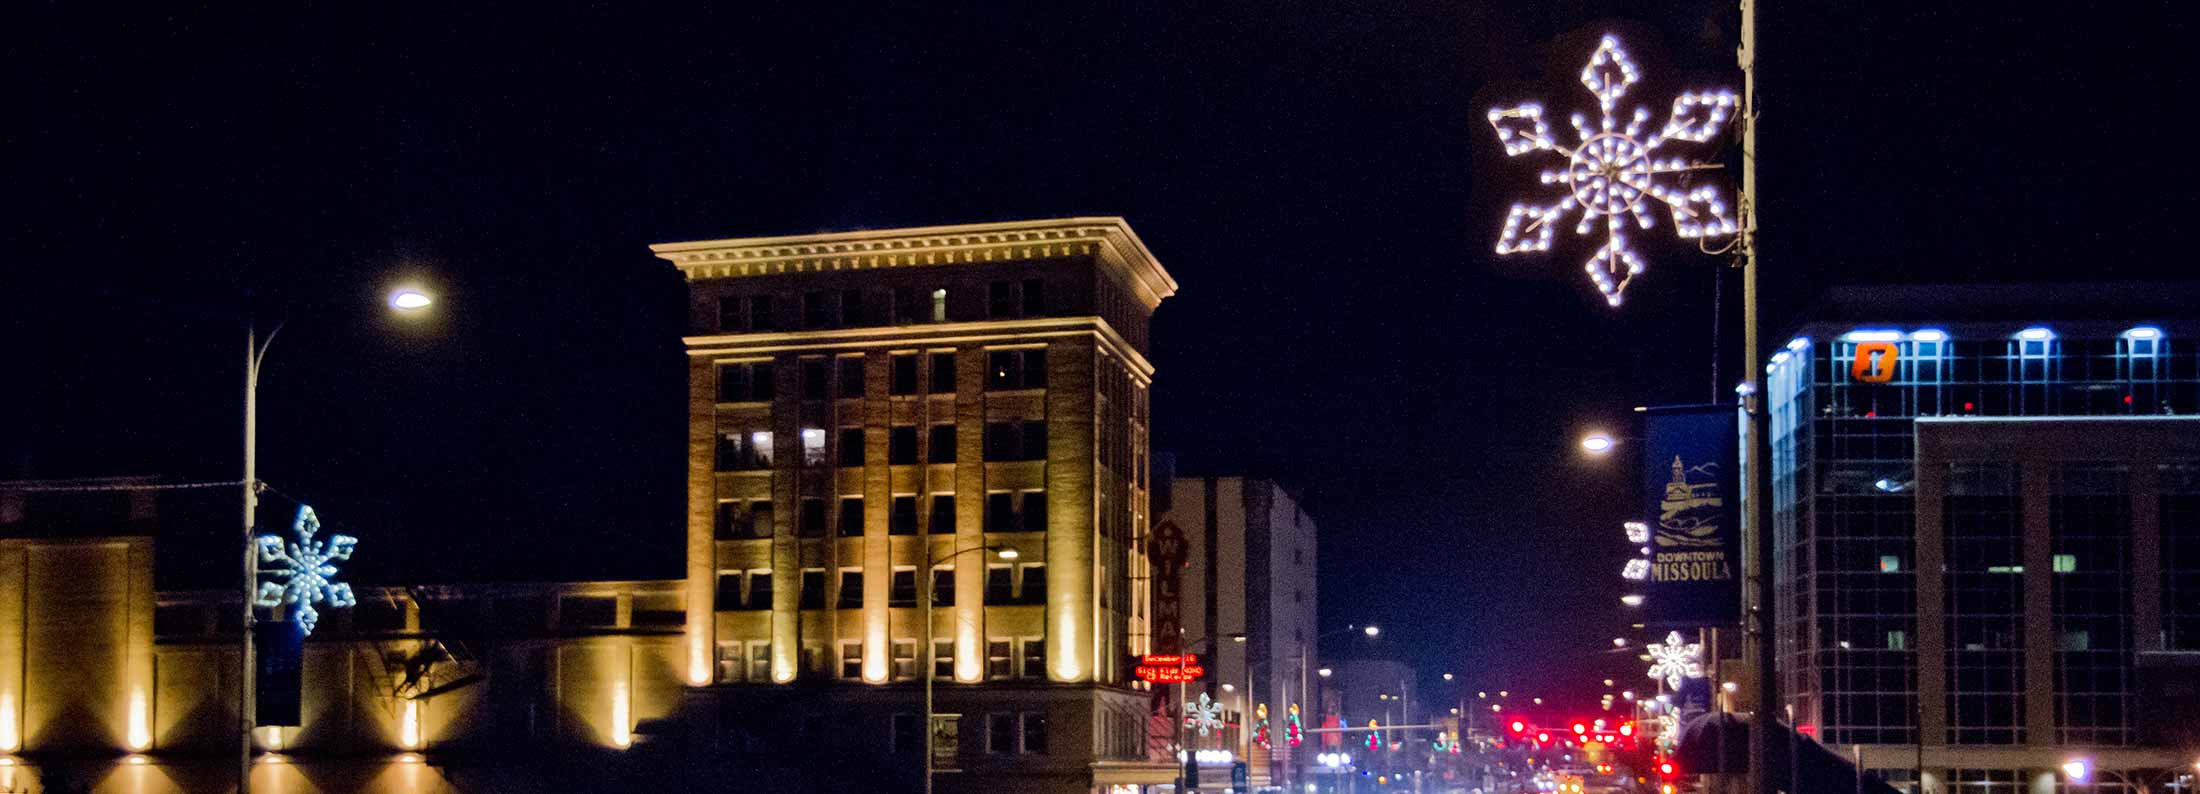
1626	729
1580	729
1543	737
1666	769
1519	726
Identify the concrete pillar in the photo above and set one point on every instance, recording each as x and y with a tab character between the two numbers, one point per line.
1071	508
970	495
702	488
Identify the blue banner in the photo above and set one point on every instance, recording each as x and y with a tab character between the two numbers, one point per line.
1691	487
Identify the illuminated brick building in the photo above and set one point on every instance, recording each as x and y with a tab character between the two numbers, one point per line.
875	412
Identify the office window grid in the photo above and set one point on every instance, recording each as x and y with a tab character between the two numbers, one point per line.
2013	377
2180	522
2089	513
1867	680
1983	519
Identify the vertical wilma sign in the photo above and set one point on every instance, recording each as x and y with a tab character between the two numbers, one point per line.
1692	483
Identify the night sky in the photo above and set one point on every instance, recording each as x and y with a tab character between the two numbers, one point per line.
1318	176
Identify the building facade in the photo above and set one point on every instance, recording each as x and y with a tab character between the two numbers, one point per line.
1988	553
1249	571
954	413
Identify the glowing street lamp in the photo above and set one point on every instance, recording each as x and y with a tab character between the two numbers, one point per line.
2078	770
1598	443
1373	630
408	299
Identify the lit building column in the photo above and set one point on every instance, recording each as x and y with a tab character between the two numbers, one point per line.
702	549
137	658
12	576
970	495
1071	464
786	568
878	504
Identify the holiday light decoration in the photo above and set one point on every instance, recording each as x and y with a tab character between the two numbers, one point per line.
1205	715
1374	737
304	570
1635	570
1614	172
1674	660
1293	732
1260	728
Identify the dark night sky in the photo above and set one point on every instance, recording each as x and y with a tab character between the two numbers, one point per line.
1318	176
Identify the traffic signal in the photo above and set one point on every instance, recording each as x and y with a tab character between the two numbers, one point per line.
1666	768
1580	729
1519	726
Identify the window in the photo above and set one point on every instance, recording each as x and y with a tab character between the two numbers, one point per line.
729	661
1898	640
649	609
737	520
813	379
906	309
1035	732
943	373
903	368
580	612
943	658
904	590
813	518
1035	584
1000	512
903	518
1016	369
905	659
943	587
939	305
814	312
1015	441
729	314
943	514
2066	563
851	307
851	588
813	446
744	451
1001	300
940	447
760	590
813	589
1889	563
748	382
851	516
1000	585
729	591
1035	511
901	445
760	313
1035	297
760	660
851	446
1000	733
906	738
1035	657
996	659
851	376
851	659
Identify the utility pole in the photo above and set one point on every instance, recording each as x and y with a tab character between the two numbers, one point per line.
1760	622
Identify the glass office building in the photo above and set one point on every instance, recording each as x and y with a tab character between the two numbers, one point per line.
1988	547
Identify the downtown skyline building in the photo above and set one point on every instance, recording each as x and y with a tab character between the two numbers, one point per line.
877	416
1987	527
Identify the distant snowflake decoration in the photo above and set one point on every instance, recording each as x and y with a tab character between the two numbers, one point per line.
1205	715
1674	660
1614	172
304	570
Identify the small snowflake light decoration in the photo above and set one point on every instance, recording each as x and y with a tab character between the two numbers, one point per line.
1614	171
1674	660
304	570
1205	715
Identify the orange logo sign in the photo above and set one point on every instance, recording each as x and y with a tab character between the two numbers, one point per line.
1874	362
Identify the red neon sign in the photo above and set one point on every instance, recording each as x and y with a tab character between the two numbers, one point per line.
1170	668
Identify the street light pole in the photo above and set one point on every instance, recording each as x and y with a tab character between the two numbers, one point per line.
1764	655
255	352
931	643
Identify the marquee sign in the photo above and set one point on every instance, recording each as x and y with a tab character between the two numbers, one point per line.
1169	668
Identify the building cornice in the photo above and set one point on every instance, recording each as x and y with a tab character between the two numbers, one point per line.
921	335
1108	238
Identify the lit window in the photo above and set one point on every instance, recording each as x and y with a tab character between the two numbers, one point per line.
1889	563
939	305
2066	563
1898	640
760	444
813	446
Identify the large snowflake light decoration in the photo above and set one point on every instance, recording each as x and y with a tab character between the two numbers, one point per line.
304	570
1205	715
1614	171
1674	660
